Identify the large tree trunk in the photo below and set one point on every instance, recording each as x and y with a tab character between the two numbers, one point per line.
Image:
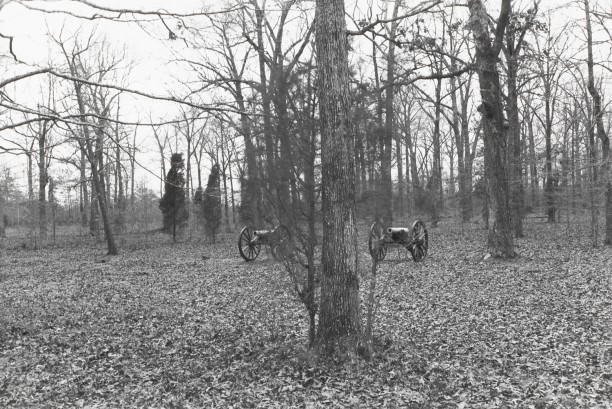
339	319
499	237
514	139
601	131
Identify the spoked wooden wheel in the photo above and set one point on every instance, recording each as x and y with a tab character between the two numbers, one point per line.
376	244
249	249
281	246
420	242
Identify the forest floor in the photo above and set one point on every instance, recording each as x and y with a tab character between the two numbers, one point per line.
193	325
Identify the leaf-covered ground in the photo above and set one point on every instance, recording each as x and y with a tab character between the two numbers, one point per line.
192	325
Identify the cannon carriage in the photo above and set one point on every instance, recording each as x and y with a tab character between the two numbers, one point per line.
251	240
414	239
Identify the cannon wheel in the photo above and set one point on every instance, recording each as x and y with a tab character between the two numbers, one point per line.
281	246
248	250
375	242
420	241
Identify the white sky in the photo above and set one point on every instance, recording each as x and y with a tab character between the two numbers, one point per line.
150	50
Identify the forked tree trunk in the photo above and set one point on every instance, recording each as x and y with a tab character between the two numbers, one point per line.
339	319
95	158
101	188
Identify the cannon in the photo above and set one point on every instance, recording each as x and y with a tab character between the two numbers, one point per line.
251	240
414	240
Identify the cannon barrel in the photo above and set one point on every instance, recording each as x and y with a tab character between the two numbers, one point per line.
262	233
398	230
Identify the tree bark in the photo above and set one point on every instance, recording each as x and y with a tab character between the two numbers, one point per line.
500	242
601	131
339	319
514	137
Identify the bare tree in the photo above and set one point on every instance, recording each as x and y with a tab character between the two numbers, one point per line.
93	98
599	125
549	73
500	242
339	318
518	27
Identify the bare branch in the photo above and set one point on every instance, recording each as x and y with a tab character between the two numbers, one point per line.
117	88
120	12
450	74
22	76
417	10
10	38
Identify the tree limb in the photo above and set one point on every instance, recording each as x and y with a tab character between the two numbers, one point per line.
120	12
417	10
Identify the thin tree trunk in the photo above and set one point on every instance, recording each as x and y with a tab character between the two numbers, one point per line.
84	205
512	50
30	175
463	191
132	170
52	204
99	183
42	183
550	179
264	89
535	198
2	201
400	175
95	159
436	176
387	146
